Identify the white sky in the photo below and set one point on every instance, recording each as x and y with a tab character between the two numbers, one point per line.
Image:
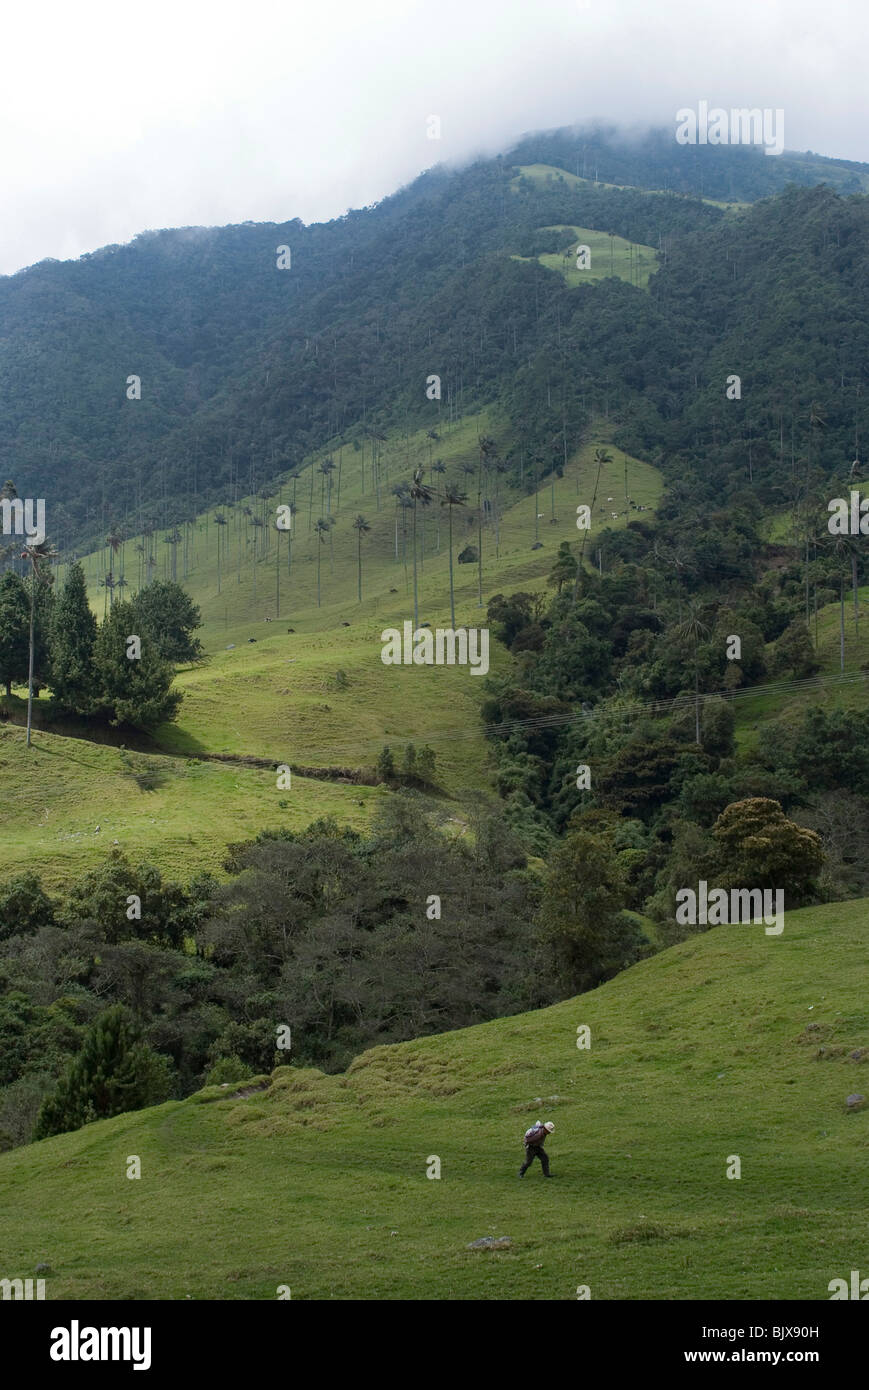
117	117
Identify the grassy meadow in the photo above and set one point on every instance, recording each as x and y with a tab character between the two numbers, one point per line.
319	696
732	1044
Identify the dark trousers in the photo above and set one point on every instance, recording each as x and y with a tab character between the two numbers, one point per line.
533	1151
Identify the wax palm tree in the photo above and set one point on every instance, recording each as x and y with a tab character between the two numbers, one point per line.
420	495
536	461
693	629
851	551
487	448
174	540
377	437
361	527
843	551
453	497
291	506
400	492
438	467
220	522
113	541
256	527
321	530
40	556
406	505
500	468
277	569
601	456
326	469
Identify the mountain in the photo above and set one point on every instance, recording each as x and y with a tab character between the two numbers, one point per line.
648	397
245	369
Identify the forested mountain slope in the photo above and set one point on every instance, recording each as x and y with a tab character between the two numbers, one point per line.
246	368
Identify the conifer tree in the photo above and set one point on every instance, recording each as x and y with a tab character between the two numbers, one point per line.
73	635
113	1072
171	617
133	690
14	630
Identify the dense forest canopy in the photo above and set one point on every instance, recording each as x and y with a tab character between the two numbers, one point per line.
246	368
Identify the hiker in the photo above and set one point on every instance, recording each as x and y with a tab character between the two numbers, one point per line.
534	1138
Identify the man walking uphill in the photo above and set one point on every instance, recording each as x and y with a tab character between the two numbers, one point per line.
534	1138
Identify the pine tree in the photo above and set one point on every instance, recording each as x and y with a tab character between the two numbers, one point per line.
137	690
113	1072
73	635
171	617
46	602
14	630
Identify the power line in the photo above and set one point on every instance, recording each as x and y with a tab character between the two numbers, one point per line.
653	709
635	709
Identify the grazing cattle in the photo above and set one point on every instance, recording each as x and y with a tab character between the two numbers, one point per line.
393	591
345	624
291	629
251	639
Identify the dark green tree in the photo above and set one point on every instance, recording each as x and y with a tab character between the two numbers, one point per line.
114	1072
385	767
581	917
14	630
132	690
758	847
73	634
171	617
24	906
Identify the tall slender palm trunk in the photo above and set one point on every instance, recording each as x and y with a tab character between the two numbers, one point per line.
30	660
452	589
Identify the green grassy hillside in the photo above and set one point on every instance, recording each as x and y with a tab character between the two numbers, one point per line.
609	255
282	697
732	1043
550	176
